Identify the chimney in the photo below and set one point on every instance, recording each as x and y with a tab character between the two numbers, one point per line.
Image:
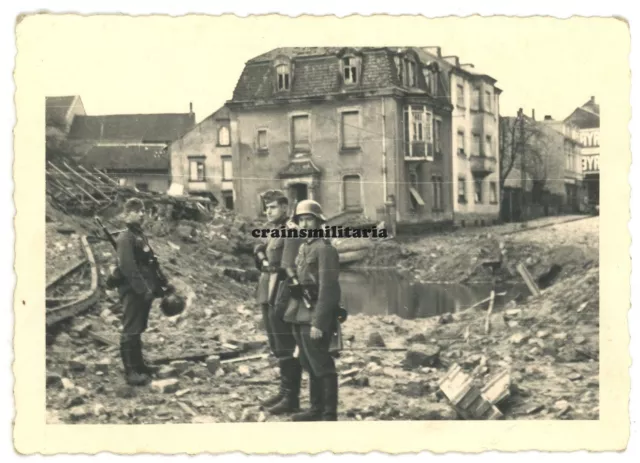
533	114
435	50
548	118
593	100
190	107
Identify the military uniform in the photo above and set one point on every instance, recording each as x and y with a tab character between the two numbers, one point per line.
139	287
280	253
318	269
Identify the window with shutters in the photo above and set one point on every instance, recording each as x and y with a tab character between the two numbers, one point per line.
475	99
488	107
350	130
350	70
227	168
475	146
300	133
262	140
460	95
437	136
224	135
477	183
462	190
488	148
418	132
283	77
196	169
461	144
352	192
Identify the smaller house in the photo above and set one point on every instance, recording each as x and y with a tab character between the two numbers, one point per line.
201	159
61	110
132	147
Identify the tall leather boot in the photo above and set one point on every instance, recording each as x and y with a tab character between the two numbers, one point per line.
143	367
128	354
290	401
314	413
330	398
275	399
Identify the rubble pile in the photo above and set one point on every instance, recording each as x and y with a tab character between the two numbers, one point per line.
214	359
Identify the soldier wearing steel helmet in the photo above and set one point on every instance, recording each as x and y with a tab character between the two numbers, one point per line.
317	269
271	258
140	285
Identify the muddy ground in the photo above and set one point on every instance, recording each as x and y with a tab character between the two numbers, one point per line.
549	343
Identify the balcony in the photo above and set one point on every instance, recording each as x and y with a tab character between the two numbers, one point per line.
482	165
418	151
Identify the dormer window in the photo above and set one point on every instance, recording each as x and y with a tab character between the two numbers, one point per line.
283	77
350	70
407	69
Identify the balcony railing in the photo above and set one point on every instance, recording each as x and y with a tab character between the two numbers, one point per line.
418	151
482	165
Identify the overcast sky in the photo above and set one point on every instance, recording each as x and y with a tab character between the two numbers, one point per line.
146	65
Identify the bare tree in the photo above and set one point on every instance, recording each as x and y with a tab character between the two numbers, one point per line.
516	138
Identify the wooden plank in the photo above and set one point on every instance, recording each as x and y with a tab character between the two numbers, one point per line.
487	321
88	299
106	177
244	359
86	181
76	184
528	279
70	269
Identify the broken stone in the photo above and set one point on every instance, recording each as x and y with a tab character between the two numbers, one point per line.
472	361
78	413
513	324
536	342
422	355
534	409
77	365
445	319
375	340
54	380
106	314
167	371
542	334
417	339
213	364
182	392
568	354
82	392
125	392
518	339
165	386
579	340
208	313
574	376
248	415
262	417
74	401
81	329
99	410
103	365
67	384
244	370
411	389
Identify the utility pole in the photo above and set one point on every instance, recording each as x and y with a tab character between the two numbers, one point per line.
522	172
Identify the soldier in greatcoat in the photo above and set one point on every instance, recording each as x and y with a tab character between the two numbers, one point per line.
138	288
312	310
271	259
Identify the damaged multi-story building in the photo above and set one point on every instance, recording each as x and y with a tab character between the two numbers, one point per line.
367	131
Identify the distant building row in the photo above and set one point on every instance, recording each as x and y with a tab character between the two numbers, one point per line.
367	131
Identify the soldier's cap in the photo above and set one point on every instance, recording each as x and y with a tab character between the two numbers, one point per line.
274	195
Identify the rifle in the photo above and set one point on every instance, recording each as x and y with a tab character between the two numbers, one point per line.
115	278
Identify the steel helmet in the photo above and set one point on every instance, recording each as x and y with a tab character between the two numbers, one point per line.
172	304
309	206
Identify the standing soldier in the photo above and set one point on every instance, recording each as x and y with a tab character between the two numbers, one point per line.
269	293
139	287
313	311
